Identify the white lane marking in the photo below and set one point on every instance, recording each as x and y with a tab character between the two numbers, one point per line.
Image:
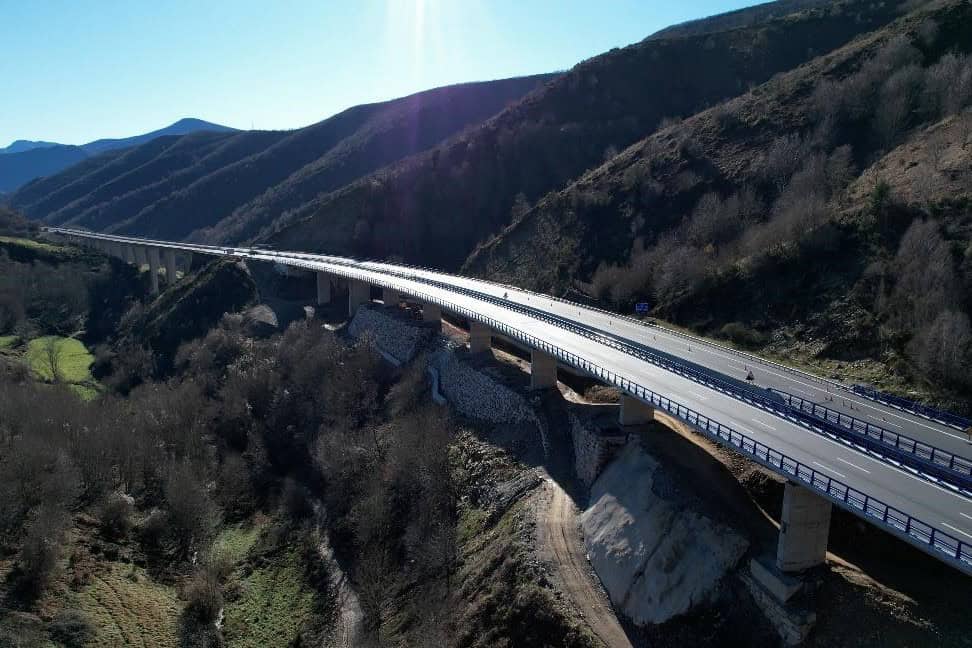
702	396
967	535
736	426
792	379
737	366
765	425
816	463
854	465
965	515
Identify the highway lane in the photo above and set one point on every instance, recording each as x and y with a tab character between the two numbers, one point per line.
933	505
698	351
701	352
896	487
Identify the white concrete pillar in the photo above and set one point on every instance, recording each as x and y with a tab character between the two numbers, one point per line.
359	292
141	256
804	529
323	288
634	411
432	313
169	260
480	337
129	251
543	370
390	296
153	262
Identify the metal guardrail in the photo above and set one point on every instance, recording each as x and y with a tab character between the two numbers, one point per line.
931	413
930	457
926	460
918	533
905	526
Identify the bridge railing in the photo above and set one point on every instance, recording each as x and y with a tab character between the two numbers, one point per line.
927	460
915	531
954	420
953	462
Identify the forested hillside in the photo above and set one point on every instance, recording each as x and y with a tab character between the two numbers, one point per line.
435	208
826	210
232	184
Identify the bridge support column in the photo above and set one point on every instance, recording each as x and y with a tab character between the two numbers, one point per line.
480	337
153	262
359	292
141	256
169	260
432	313
634	411
804	529
543	370
390	296
323	288
129	251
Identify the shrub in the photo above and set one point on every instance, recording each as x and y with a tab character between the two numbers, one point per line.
204	597
743	335
41	550
115	515
71	629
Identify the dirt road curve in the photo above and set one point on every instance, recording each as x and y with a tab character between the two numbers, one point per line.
563	540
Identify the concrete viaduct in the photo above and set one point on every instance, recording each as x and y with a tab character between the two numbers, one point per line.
927	508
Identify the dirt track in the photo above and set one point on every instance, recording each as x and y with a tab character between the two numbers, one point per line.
561	540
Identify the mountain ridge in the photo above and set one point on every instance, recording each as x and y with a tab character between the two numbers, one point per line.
25	160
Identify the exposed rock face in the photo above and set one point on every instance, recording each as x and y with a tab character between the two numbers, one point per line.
260	321
474	394
396	337
655	556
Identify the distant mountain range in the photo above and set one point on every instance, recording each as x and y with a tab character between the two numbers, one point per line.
26	145
25	160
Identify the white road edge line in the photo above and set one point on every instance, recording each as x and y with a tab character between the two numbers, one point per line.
765	425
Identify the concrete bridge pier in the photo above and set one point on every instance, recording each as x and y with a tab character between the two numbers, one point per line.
804	529
543	370
169	260
390	296
359	292
129	252
323	288
141	256
432	313
480	337
154	264
634	411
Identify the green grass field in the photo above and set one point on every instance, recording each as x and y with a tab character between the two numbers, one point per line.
73	364
274	602
8	341
127	608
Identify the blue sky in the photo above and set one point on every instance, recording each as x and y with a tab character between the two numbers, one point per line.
74	71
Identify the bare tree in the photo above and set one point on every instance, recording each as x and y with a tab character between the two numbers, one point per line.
926	283
52	357
942	349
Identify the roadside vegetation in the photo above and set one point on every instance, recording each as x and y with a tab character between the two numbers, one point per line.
189	507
